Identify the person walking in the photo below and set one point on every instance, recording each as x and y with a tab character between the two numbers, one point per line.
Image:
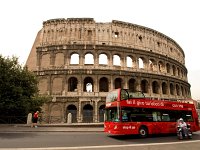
35	119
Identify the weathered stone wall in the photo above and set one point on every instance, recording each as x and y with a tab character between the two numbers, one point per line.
67	57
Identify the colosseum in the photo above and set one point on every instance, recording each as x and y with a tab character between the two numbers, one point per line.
78	60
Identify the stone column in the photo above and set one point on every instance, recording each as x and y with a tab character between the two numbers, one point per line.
95	111
79	119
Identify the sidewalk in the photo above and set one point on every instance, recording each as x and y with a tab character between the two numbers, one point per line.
75	127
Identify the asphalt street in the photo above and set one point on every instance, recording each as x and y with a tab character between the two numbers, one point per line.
85	137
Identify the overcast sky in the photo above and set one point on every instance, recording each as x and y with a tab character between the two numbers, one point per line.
178	19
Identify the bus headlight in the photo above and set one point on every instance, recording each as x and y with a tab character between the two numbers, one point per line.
115	127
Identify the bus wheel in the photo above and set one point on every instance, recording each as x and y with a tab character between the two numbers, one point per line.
143	132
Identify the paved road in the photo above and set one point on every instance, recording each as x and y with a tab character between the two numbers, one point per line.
84	136
85	139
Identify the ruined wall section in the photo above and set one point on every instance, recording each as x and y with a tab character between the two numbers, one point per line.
117	33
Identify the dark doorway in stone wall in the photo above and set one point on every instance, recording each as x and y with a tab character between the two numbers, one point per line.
87	113
101	113
73	110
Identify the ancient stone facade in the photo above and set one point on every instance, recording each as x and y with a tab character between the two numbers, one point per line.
78	60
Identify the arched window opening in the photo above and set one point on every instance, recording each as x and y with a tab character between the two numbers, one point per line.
164	88
103	59
118	83
129	61
87	113
160	66
155	87
132	85
171	89
181	73
72	84
88	85
89	59
116	60
101	113
141	63
73	110
144	86
151	65
168	68
103	85
182	91
177	90
174	70
74	59
178	70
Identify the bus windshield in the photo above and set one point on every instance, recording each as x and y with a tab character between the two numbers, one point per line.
127	94
112	96
112	115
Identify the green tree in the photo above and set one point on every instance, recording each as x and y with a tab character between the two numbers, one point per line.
18	89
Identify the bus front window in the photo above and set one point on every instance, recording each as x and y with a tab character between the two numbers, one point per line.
112	96
112	115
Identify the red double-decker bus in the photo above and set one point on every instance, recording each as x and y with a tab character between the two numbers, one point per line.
129	112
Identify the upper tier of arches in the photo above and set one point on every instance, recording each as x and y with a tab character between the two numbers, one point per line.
115	33
110	60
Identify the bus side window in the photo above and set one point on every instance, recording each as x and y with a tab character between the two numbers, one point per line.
156	116
165	117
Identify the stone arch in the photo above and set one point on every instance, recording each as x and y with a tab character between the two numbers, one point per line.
173	70
129	61
182	91
168	67
72	84
101	113
73	110
164	88
103	84
141	63
57	85
177	90
88	85
155	87
116	60
87	113
59	60
43	86
74	58
178	72
181	72
89	58
118	83
172	89
144	86
103	59
160	66
45	61
55	114
132	86
152	65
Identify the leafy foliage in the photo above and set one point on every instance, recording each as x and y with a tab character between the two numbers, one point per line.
18	89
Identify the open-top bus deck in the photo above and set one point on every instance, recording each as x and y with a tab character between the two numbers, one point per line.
131	113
